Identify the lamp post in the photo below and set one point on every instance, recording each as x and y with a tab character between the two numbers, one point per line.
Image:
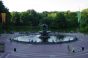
3	15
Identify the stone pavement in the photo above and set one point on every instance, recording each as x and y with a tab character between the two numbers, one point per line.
45	50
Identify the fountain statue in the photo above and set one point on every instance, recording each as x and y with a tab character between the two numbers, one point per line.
44	33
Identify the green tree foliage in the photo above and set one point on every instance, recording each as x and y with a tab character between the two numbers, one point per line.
84	21
55	20
72	20
15	18
25	18
61	21
30	17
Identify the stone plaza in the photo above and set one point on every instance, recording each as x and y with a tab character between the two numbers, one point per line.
77	49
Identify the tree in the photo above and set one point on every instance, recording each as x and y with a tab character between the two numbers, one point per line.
60	21
15	18
71	18
34	17
84	21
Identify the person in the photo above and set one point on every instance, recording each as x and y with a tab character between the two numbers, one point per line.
10	40
82	48
68	47
73	51
14	49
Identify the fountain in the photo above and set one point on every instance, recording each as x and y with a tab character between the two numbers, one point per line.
44	33
44	37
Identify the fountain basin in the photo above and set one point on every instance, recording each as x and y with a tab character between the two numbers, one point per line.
32	39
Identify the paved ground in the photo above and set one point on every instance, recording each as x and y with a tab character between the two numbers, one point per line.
47	50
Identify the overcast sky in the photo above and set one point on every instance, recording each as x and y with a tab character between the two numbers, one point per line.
46	5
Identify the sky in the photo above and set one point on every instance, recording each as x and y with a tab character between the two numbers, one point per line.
46	5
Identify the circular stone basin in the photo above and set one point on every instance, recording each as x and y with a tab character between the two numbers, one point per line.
52	39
